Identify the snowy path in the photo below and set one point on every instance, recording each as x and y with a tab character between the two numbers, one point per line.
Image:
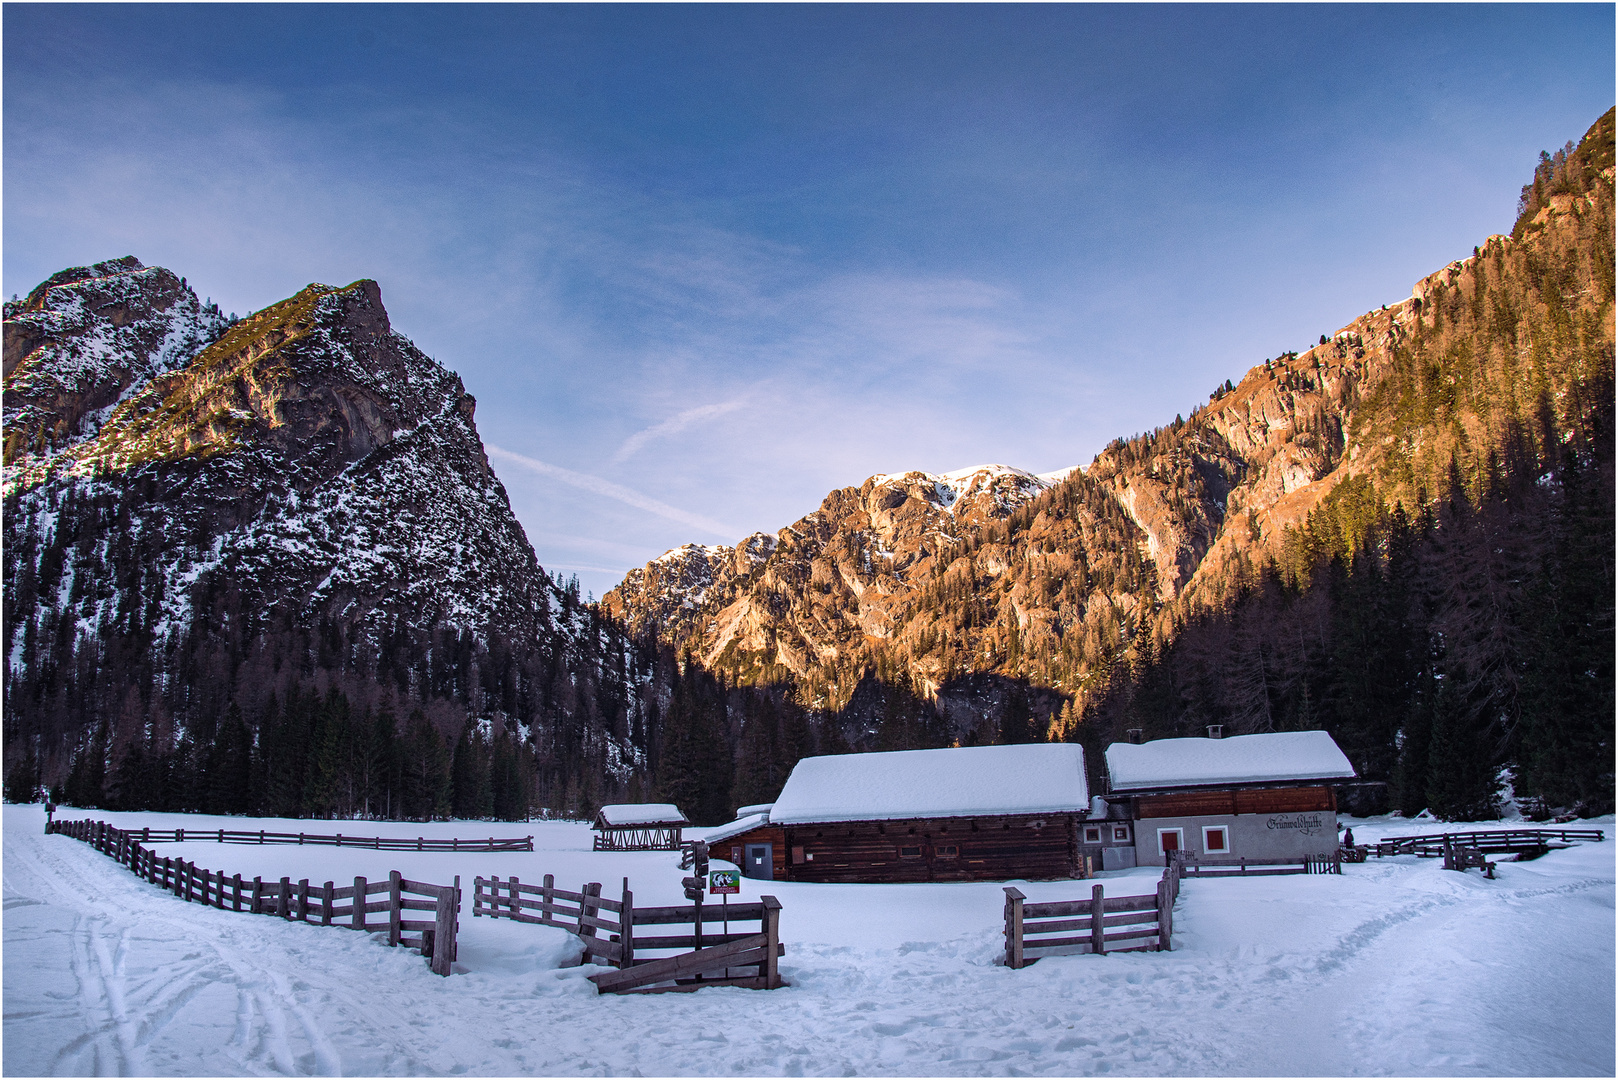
1396	967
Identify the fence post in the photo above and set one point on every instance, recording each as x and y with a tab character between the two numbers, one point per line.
443	931
1165	916
303	900
395	906
257	907
588	909
1014	901
1098	936
236	892
515	901
325	903
283	900
626	928
356	918
546	899
770	969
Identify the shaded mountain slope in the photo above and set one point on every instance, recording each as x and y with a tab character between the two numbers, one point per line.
216	514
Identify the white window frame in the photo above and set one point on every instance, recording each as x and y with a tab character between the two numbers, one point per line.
1206	829
1179	834
1124	839
1097	829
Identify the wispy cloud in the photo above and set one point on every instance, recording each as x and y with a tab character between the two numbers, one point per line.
599	486
673	426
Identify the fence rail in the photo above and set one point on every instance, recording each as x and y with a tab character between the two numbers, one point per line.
299	900
374	843
608	929
1489	841
1308	864
1099	925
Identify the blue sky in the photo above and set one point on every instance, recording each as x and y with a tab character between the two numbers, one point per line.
701	265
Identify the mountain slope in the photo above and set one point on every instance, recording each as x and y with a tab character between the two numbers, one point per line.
1493	369
217	514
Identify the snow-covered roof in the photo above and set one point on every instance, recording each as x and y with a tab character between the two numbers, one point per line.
743	823
654	813
1033	778
1240	759
756	808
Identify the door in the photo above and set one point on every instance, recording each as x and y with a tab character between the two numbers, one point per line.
760	862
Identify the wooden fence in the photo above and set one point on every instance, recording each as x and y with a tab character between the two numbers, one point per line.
1099	925
1308	864
1489	841
374	843
399	896
607	928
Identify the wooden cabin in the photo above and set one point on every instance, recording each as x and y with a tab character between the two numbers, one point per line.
639	827
980	813
756	847
1222	800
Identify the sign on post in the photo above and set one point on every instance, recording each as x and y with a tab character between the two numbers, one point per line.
724	882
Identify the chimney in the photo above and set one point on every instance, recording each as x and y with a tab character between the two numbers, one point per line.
1216	731
1135	735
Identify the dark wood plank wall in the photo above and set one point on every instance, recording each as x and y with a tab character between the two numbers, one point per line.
734	849
984	849
1252	801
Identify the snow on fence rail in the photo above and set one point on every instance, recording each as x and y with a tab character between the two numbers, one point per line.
742	959
1101	924
373	843
434	938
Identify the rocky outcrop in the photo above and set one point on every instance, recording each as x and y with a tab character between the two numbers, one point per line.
83	339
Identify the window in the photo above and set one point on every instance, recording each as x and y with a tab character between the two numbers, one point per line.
1169	840
1121	833
1092	834
1215	840
947	851
910	853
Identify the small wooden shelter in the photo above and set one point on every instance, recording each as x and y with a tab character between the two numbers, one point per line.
639	827
1259	797
980	813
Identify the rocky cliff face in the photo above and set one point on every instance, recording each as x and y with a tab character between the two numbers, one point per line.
1053	580
83	339
302	494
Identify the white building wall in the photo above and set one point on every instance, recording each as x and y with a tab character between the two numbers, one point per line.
1290	835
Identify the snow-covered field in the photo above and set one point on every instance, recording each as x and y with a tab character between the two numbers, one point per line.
1397	967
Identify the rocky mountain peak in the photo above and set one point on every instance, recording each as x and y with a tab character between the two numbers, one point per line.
86	338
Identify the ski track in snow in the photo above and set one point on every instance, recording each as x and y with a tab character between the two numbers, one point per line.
1397	967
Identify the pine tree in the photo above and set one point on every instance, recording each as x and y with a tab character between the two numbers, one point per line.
22	779
428	789
229	766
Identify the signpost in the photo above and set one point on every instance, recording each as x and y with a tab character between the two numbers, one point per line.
724	884
695	859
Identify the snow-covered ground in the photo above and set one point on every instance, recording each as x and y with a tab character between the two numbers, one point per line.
1397	967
